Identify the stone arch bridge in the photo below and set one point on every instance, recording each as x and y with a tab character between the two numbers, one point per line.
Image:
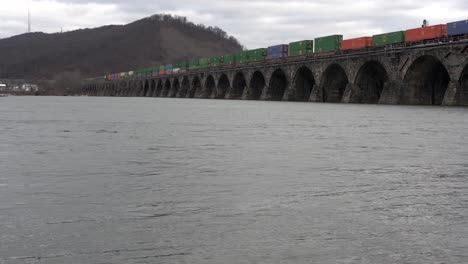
430	74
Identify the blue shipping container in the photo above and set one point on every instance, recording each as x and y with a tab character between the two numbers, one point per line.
457	28
277	55
278	49
169	67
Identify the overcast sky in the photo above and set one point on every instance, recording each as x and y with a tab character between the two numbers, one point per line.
254	23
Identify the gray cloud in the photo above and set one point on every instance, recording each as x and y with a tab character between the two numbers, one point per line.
254	23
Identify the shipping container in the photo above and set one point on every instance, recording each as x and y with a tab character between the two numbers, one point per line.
130	73
457	28
328	43
162	70
229	59
183	65
277	55
283	48
301	47
257	54
175	70
155	73
194	64
204	62
242	57
425	33
388	38
356	43
216	60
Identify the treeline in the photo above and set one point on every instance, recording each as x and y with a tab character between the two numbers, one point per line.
176	19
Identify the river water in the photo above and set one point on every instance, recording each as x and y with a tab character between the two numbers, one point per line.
152	180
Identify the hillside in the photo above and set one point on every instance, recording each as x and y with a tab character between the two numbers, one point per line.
151	41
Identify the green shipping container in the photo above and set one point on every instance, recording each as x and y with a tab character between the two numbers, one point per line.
389	38
257	54
216	61
328	43
194	64
301	47
204	62
184	65
162	68
229	59
242	57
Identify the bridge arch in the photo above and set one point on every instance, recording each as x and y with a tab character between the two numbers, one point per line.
303	83
152	89
278	84
124	88
195	89
104	89
159	88
167	87
462	93
333	83
426	82
209	87
118	89
138	87
223	86
114	89
146	89
371	79
184	88
238	86
175	88
256	86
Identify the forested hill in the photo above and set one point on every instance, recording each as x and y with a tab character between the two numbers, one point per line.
159	39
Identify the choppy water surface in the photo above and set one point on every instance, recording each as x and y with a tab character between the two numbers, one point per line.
146	180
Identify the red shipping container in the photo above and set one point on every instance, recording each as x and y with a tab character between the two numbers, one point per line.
423	33
356	43
119	76
162	72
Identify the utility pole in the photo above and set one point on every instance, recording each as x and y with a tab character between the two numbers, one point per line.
29	16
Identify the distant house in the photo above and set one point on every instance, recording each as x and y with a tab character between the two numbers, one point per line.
29	87
3	87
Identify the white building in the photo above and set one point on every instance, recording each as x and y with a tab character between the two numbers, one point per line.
29	87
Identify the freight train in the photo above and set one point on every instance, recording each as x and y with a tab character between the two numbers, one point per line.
329	45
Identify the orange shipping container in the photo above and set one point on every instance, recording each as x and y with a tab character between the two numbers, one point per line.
423	33
356	43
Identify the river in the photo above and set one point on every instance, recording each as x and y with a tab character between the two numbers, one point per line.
159	180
